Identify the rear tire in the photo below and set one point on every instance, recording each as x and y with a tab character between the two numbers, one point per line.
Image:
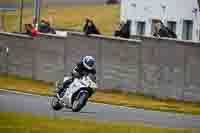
55	103
80	101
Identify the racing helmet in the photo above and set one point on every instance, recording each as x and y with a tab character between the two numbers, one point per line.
88	62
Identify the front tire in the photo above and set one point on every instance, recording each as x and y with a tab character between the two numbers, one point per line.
55	103
80	101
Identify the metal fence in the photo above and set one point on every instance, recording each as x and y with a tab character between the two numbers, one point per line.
155	67
11	16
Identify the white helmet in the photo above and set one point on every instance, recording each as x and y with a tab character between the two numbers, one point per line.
88	62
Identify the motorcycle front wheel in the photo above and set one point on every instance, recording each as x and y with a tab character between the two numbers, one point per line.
80	101
55	104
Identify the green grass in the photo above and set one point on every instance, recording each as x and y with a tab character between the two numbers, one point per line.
110	97
26	123
25	1
14	2
106	17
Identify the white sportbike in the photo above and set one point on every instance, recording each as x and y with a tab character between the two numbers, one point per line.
76	95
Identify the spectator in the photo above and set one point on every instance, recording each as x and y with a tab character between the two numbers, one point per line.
162	31
30	30
90	28
123	30
117	31
172	34
44	27
112	2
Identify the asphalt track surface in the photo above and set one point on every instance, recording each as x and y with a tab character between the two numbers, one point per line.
40	105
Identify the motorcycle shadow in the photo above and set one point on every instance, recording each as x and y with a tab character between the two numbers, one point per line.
81	112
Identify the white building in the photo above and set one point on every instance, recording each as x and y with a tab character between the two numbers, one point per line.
182	16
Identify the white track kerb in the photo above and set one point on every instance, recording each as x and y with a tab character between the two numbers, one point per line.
18	92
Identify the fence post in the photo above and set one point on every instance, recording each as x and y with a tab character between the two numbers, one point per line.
21	15
1	23
37	6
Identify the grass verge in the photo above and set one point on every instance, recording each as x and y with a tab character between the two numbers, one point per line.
26	123
108	97
106	17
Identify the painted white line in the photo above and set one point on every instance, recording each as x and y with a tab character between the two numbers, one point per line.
17	92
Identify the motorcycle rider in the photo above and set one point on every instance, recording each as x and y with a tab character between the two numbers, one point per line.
84	67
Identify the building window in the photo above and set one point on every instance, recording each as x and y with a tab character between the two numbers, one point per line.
172	26
140	28
187	30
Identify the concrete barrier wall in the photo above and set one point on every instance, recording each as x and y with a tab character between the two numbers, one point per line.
157	67
171	68
120	64
192	74
113	59
40	58
19	59
49	58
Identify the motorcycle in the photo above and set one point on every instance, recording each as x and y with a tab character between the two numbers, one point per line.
76	95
